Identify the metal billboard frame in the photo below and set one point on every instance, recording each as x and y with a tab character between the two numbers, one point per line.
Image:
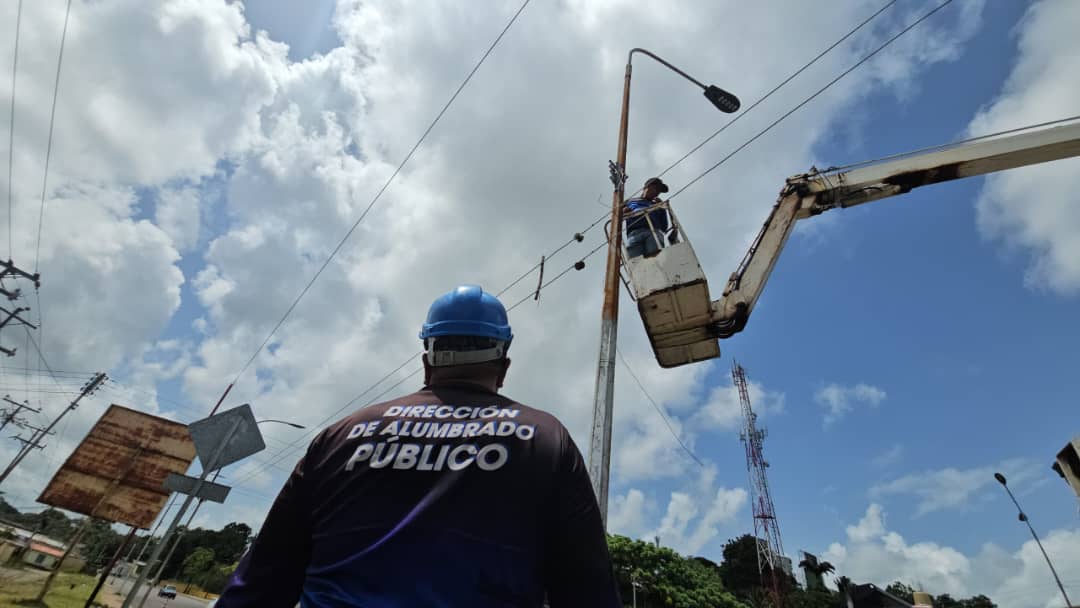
118	470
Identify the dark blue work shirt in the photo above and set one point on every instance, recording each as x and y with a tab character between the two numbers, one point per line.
659	217
451	496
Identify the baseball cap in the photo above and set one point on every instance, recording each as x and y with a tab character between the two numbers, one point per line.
658	182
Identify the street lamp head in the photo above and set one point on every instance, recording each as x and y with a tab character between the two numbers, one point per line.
1000	478
724	101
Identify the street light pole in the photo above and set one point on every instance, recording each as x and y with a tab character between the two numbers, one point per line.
1024	518
180	532
604	394
209	466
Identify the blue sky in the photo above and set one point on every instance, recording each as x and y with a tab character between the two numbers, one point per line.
906	295
238	163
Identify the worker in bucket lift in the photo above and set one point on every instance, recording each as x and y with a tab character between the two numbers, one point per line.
640	239
451	496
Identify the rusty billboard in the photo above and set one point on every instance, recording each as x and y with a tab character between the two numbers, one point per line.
117	472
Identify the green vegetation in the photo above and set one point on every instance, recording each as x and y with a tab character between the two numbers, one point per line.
666	578
68	590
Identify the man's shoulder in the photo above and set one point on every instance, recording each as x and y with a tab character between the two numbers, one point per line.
542	416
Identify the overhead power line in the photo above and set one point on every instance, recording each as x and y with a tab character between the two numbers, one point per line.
1048	123
813	96
284	453
41	357
659	410
379	194
48	146
292	446
779	86
751	107
11	123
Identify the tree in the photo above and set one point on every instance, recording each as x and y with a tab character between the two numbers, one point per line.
666	578
196	564
902	591
815	571
227	544
739	570
99	543
214	579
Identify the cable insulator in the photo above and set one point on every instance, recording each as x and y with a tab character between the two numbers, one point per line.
578	265
579	237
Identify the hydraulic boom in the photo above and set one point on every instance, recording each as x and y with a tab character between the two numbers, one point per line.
813	193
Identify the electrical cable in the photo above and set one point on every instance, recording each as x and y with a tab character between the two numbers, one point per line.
560	275
601	218
293	446
41	356
812	97
939	147
553	253
379	194
793	75
58	372
659	410
11	124
48	146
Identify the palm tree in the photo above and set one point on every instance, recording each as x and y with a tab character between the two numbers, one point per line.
815	572
819	568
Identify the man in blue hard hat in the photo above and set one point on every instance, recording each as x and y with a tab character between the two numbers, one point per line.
452	496
640	238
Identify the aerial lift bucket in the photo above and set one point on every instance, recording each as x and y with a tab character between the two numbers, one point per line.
672	295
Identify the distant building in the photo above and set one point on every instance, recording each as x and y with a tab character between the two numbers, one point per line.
35	549
127	569
42	555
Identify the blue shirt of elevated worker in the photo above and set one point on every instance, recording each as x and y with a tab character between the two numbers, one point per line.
639	239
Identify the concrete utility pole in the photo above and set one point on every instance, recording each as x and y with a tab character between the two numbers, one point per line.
211	465
39	434
603	400
9	269
12	415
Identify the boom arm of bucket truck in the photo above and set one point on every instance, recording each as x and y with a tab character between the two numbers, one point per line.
810	194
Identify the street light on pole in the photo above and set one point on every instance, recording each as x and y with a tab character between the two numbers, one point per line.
1024	518
603	397
161	568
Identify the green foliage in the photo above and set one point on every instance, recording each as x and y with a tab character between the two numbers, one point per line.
902	591
739	569
197	563
99	542
666	578
978	601
214	579
227	545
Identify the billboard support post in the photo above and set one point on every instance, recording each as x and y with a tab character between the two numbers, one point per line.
207	468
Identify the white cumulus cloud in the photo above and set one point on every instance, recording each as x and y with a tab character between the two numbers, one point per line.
952	488
1017	579
839	400
1037	209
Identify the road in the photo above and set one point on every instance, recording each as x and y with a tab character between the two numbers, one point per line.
181	601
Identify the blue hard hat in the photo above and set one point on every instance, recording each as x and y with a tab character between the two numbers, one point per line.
467	311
